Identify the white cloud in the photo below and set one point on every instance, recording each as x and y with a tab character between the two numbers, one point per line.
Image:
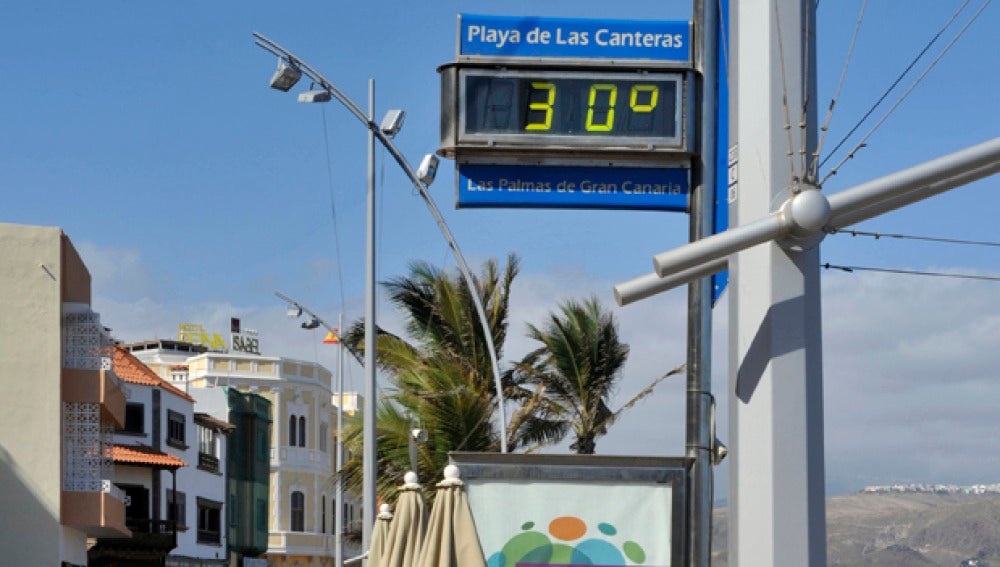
910	379
910	363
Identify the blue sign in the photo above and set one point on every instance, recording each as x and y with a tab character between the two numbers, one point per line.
488	185
506	36
722	163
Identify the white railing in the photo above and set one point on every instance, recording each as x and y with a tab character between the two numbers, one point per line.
301	457
109	487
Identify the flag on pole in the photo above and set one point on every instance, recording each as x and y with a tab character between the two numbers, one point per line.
332	337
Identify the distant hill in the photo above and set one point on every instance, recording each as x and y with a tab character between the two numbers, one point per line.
902	530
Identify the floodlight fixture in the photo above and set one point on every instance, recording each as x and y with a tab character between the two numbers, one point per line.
392	122
315	95
312	323
428	169
285	76
294	311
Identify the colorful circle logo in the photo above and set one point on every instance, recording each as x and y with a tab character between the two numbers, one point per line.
566	544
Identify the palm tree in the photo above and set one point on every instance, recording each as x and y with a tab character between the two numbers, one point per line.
576	368
441	375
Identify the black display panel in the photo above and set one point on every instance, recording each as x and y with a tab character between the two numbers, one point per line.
571	107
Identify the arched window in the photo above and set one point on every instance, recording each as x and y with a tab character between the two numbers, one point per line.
291	430
298	512
302	431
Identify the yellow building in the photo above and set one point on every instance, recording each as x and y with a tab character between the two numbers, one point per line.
302	504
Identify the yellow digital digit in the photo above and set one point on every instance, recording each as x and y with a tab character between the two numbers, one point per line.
546	106
609	119
654	94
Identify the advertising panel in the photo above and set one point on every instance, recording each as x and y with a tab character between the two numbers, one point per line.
534	510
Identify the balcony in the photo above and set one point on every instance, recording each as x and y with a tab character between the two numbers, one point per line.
150	543
305	543
147	535
98	514
301	457
96	386
208	462
209	537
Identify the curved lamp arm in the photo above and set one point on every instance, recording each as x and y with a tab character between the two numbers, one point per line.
386	142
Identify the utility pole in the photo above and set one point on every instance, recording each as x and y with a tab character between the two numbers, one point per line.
699	439
777	499
338	462
369	492
778	217
338	457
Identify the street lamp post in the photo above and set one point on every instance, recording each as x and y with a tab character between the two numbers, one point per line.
338	513
297	309
290	69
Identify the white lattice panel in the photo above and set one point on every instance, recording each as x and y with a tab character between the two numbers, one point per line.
86	343
86	448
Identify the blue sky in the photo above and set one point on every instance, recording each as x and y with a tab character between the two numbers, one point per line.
148	133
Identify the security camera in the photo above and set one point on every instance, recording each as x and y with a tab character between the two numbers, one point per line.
719	452
419	435
428	169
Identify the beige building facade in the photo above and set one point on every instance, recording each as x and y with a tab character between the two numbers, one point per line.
61	403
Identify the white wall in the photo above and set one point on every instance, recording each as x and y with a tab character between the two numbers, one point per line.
193	482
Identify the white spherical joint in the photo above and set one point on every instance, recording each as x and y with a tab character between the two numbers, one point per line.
384	509
807	212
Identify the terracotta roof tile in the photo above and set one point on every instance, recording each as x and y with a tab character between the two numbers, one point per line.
133	371
142	455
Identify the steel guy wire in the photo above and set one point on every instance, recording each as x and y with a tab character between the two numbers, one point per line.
863	142
833	102
336	230
878	235
852	269
784	94
333	211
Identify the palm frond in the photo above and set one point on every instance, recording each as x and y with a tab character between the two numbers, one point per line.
579	362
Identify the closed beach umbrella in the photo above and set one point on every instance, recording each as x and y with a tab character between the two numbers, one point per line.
380	537
451	539
409	524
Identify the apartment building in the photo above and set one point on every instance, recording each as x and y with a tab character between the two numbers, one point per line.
301	499
62	401
170	461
